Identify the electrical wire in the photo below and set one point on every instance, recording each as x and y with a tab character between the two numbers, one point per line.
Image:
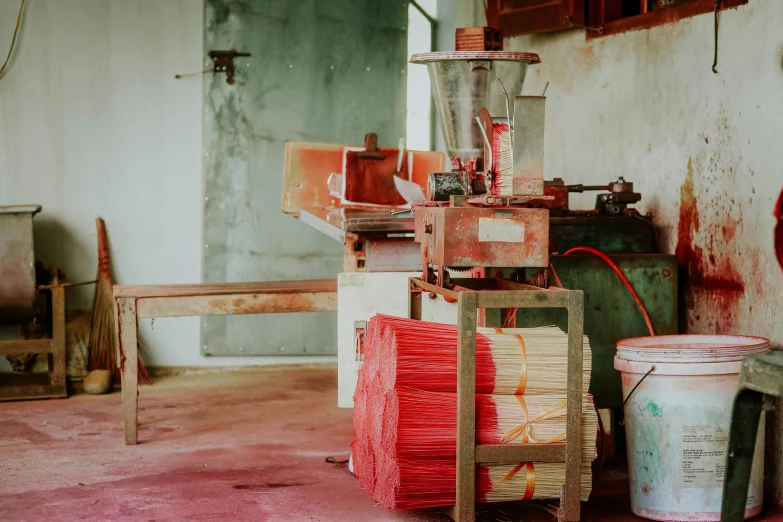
622	277
13	39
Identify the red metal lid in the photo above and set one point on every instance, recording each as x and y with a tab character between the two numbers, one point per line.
531	58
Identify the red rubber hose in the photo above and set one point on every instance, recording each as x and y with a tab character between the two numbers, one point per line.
622	277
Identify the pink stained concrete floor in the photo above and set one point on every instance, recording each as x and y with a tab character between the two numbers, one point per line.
241	445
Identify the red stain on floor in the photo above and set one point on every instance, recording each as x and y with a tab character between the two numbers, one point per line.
235	446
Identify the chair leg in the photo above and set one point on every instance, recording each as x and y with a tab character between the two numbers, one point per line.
742	443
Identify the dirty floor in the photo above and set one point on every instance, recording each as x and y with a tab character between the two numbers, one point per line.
240	445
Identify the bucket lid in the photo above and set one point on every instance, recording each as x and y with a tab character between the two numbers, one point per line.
690	348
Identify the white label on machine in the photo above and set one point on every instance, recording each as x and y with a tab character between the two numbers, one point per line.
702	456
501	230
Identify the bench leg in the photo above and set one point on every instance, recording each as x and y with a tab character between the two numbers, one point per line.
58	338
742	443
128	345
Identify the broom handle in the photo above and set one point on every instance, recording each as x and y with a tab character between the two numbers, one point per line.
103	248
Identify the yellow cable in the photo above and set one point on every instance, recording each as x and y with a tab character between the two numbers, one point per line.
13	40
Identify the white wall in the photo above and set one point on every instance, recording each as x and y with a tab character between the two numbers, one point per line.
93	123
646	105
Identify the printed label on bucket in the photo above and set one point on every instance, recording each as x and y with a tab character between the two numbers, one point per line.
702	456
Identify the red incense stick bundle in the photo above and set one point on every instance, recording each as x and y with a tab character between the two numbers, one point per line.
424	424
401	434
422	483
502	180
405	436
509	361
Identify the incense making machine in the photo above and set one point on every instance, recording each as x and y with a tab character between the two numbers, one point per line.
483	210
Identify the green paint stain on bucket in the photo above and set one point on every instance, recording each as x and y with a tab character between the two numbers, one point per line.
653	409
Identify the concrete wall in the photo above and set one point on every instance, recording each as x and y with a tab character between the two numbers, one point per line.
93	123
703	149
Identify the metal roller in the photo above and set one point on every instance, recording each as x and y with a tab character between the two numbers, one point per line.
441	186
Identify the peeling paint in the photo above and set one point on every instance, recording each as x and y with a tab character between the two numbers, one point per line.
307	80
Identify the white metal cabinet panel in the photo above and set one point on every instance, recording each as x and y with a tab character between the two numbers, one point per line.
361	295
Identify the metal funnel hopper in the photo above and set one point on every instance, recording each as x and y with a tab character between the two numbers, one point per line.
465	81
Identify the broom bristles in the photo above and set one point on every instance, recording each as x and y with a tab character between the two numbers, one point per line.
103	341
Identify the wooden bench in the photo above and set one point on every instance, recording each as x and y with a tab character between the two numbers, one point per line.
134	302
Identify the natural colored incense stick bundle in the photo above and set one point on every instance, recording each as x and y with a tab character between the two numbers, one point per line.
509	361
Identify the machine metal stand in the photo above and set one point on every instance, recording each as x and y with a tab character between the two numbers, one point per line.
43	385
468	453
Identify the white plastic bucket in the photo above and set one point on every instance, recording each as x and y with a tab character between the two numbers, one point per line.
677	423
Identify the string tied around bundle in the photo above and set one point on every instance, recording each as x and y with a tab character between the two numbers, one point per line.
530	478
523	373
524	430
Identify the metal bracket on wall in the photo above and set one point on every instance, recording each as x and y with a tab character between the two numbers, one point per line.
224	62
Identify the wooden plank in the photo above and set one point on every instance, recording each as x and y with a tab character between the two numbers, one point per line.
526	299
414	301
274	287
573	457
464	507
233	304
428	287
127	333
553	452
32	391
22	346
58	336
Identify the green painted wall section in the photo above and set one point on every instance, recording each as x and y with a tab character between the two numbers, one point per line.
327	71
611	313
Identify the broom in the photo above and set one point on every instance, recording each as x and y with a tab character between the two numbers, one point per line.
509	361
103	341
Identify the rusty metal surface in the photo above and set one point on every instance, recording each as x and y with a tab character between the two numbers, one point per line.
392	255
308	166
456	237
336	222
17	264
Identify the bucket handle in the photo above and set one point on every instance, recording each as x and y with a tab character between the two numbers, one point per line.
652	369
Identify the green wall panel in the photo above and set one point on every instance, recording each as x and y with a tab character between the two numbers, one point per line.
327	71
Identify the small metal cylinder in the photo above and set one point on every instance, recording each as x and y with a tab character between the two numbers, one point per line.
441	186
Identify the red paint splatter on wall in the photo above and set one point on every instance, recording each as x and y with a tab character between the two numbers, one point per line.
711	285
779	230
